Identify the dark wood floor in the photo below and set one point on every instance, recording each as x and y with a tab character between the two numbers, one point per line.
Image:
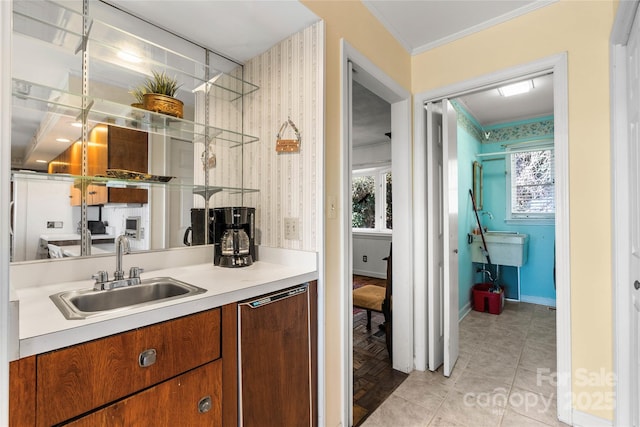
373	377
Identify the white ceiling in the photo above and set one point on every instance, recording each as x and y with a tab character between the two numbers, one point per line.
242	29
424	24
488	107
238	29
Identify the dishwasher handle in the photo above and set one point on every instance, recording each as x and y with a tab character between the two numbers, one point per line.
260	302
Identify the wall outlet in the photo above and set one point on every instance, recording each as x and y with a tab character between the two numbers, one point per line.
54	224
292	228
364	258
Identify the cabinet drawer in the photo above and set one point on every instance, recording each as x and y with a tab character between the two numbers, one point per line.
77	379
192	399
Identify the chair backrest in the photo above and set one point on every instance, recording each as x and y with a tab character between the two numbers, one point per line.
55	251
389	274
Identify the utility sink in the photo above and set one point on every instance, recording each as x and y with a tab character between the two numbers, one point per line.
505	248
84	303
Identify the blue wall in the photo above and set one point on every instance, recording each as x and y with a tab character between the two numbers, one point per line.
536	276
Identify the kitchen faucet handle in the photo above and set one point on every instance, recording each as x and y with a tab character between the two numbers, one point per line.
134	272
100	277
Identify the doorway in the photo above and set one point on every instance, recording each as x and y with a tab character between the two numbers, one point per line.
557	66
506	160
374	378
398	98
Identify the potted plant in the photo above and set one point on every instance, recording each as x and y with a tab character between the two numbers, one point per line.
157	94
138	93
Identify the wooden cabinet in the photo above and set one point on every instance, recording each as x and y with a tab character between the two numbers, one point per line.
22	392
110	147
56	387
277	359
191	399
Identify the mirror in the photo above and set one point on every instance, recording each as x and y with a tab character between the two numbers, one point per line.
477	184
144	171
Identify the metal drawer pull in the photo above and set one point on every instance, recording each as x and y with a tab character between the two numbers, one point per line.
204	405
147	358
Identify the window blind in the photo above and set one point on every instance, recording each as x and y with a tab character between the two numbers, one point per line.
532	184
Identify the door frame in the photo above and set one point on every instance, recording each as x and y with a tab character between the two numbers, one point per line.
557	64
620	174
8	342
374	79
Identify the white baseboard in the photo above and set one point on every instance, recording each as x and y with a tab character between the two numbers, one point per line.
375	274
582	419
550	302
466	309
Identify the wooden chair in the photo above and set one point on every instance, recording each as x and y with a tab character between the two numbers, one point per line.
377	298
370	298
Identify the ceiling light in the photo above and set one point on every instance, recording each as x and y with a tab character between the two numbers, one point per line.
516	88
63	140
41	161
76	124
129	57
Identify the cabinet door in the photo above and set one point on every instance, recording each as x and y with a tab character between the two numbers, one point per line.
22	392
77	379
128	150
276	361
192	399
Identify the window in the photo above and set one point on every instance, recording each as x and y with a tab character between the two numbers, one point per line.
371	199
530	183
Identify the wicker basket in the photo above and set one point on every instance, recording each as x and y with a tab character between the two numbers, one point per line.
163	104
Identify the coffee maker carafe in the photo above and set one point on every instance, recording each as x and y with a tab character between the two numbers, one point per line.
234	236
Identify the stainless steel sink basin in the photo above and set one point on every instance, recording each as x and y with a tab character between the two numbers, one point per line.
81	304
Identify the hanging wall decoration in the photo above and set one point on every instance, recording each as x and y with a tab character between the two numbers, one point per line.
288	145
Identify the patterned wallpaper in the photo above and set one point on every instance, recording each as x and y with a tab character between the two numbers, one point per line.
508	132
282	185
290	77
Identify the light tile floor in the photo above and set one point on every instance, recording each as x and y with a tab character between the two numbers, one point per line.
503	377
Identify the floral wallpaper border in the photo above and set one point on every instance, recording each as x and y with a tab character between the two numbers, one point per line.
505	132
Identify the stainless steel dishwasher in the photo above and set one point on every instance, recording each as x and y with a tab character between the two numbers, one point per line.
275	353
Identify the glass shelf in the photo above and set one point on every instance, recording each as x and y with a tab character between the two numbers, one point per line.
61	26
77	180
49	22
46	99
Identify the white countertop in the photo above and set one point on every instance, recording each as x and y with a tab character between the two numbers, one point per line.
42	327
53	237
74	250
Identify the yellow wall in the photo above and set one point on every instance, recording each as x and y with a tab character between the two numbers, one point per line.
580	28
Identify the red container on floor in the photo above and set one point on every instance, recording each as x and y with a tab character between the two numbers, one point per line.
485	300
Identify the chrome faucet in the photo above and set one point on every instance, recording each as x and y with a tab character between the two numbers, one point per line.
102	277
122	247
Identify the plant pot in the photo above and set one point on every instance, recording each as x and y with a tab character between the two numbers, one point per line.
163	104
137	114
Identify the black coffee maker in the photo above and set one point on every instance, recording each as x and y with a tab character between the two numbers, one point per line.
234	236
198	228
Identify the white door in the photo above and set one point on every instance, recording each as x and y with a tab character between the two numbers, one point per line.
442	236
450	261
633	111
435	236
